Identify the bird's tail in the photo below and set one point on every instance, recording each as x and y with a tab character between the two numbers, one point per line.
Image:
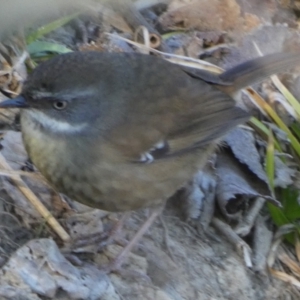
255	70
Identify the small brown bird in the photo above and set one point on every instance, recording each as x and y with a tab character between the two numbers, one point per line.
120	131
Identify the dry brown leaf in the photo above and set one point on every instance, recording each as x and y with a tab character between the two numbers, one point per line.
86	223
236	185
242	144
202	15
209	15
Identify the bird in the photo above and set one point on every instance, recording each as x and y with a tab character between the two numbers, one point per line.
125	131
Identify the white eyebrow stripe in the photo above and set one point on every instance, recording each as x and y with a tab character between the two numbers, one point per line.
54	125
66	95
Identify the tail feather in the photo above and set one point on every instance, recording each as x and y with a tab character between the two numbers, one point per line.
255	70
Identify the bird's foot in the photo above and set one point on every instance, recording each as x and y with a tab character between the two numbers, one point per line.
97	241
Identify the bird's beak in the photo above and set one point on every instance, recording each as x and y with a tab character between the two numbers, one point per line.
18	102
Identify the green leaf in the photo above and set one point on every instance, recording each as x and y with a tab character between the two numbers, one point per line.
270	160
289	213
171	34
277	215
43	30
291	207
264	130
40	48
296	129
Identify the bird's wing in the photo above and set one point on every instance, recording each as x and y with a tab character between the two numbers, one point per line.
194	135
192	119
195	130
183	109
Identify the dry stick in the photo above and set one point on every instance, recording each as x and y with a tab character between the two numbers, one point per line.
135	20
234	239
174	58
22	186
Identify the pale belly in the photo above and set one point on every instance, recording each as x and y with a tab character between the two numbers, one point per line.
106	184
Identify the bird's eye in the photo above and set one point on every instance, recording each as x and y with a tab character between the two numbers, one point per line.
60	105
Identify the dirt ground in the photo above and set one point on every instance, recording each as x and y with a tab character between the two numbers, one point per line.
203	267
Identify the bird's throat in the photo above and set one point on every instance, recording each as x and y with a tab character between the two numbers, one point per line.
51	125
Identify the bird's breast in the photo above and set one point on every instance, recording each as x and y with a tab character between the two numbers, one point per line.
103	182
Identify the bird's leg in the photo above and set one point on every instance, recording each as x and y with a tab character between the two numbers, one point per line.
116	264
166	237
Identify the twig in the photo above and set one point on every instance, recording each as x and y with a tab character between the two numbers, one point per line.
135	20
234	239
22	186
246	225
